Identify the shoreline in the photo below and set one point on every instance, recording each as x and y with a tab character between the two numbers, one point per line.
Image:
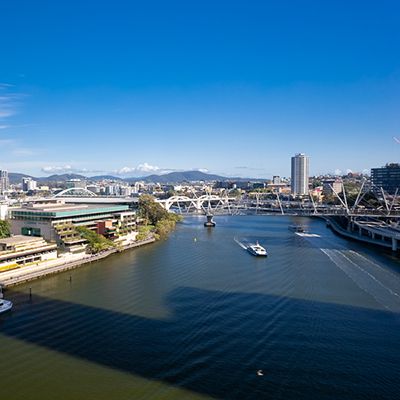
26	274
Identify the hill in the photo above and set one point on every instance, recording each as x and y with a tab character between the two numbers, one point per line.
175	177
60	178
172	177
16	177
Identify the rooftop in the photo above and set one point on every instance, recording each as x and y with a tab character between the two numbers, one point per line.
68	210
18	239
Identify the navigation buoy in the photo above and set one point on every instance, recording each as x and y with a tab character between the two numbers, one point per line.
195	240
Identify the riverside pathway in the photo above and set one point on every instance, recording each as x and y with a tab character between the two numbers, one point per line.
63	263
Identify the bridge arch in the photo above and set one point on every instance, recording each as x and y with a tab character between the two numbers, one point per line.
75	192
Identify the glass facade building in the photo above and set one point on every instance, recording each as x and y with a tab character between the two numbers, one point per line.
387	177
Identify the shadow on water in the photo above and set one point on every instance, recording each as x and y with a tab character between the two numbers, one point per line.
216	341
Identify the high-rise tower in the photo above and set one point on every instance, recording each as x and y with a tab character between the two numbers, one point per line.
4	182
300	170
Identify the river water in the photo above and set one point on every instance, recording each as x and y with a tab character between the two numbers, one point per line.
196	316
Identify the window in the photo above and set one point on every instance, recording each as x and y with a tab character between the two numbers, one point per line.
30	231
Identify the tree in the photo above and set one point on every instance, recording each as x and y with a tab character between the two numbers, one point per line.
154	214
96	242
150	210
5	229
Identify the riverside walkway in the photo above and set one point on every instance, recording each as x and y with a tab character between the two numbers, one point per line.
63	263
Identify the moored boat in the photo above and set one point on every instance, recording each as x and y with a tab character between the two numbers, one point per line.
5	305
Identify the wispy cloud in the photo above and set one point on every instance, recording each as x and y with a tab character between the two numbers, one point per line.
141	168
9	101
67	169
146	168
7	142
21	151
4	85
249	168
6	112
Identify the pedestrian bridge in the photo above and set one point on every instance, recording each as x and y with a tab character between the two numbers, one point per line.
205	203
215	204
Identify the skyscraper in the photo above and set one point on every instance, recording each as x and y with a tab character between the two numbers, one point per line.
4	181
300	170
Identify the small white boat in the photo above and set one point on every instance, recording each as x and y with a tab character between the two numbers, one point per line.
257	250
5	305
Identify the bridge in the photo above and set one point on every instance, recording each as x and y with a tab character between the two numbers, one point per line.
208	203
213	204
378	225
85	196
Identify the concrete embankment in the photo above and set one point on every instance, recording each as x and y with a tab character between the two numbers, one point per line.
336	227
61	264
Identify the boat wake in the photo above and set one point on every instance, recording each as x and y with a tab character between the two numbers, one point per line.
242	245
304	234
369	276
380	283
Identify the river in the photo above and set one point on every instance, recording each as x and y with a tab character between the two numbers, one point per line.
196	316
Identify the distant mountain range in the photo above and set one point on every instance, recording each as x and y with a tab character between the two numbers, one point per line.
172	177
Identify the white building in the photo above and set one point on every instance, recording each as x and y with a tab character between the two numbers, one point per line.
300	172
3	211
276	180
28	184
126	191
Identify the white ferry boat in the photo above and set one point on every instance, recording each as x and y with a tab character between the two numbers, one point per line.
5	305
257	250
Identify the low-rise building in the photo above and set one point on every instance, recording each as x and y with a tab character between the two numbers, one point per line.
276	180
19	250
55	221
332	186
279	187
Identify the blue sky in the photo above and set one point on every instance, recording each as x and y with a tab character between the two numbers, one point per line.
232	87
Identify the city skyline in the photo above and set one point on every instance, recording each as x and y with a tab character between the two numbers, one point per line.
229	88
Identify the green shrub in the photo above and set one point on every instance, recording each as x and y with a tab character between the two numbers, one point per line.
96	242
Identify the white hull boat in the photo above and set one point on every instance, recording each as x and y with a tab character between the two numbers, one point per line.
257	250
5	305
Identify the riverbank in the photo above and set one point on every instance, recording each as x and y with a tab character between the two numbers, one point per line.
64	263
338	229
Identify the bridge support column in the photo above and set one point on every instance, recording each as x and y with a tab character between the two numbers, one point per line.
350	224
394	244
